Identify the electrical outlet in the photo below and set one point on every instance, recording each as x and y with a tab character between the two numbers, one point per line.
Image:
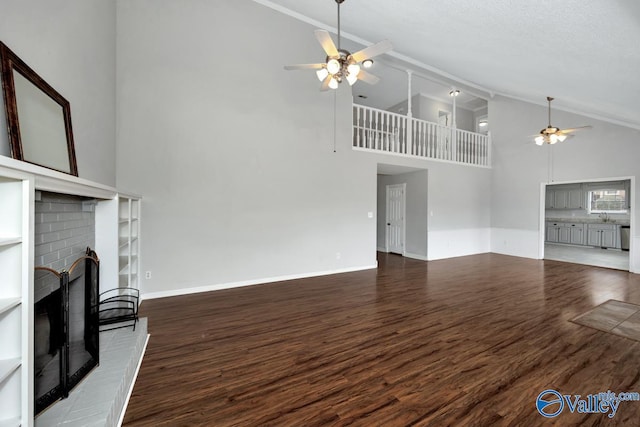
147	275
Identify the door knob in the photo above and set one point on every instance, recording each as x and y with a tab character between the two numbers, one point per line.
388	223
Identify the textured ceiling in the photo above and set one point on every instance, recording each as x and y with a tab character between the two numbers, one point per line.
586	54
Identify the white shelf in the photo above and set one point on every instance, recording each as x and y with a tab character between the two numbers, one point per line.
127	270
7	367
8	241
9	303
10	422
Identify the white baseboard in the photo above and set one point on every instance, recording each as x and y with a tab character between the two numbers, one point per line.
221	286
416	256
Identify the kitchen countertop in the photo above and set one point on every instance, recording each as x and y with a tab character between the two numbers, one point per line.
588	221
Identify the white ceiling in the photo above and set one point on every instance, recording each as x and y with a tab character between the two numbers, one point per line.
583	53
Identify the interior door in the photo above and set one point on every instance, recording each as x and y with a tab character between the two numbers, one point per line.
395	218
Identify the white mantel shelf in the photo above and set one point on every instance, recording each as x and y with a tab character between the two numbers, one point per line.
54	181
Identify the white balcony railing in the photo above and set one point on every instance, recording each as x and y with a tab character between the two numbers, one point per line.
380	130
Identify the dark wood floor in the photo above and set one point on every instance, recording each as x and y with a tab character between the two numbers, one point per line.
464	341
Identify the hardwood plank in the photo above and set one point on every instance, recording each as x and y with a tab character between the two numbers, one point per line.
464	341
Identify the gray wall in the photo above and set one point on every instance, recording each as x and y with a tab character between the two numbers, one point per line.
402	107
426	108
429	109
458	205
71	45
416	211
233	154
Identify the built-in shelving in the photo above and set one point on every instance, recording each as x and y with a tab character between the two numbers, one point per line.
128	234
16	331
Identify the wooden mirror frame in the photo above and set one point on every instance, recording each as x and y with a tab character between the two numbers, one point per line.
10	64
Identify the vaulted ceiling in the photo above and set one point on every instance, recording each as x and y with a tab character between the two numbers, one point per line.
586	54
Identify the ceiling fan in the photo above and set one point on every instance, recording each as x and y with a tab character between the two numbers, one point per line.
552	134
340	64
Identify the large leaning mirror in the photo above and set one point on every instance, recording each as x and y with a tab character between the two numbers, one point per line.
38	117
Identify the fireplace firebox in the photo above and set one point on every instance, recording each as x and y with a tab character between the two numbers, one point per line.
66	339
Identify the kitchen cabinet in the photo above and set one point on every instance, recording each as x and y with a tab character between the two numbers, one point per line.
565	197
603	235
563	232
577	234
549	198
552	231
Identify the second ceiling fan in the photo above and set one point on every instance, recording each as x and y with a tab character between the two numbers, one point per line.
552	134
340	64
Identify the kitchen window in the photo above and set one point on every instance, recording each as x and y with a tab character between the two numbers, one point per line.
607	201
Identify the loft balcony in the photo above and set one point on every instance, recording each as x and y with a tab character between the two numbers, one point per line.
382	131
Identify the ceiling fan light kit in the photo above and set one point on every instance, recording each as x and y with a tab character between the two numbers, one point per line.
551	134
340	64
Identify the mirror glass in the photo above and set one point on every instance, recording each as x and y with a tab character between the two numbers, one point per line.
44	140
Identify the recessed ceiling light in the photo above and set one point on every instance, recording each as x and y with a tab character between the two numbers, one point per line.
367	63
483	123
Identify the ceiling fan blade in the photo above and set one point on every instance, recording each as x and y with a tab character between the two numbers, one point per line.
304	67
326	42
368	77
566	131
325	84
373	50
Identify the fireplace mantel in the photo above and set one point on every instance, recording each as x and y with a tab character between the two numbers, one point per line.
54	181
19	182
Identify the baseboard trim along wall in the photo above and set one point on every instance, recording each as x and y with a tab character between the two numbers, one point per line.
221	286
416	256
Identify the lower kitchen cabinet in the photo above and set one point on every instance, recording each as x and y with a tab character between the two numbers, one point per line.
599	235
562	232
577	234
603	235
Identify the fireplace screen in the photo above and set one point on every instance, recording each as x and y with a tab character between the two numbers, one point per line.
66	329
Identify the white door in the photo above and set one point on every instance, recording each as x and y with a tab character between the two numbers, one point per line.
395	218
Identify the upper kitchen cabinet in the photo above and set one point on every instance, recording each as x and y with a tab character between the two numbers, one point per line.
570	196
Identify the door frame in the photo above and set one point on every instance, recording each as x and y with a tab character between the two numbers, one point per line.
404	217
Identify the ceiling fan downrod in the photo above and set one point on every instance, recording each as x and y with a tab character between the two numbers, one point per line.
339	2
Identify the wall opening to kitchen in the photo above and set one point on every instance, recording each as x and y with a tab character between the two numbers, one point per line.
589	222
